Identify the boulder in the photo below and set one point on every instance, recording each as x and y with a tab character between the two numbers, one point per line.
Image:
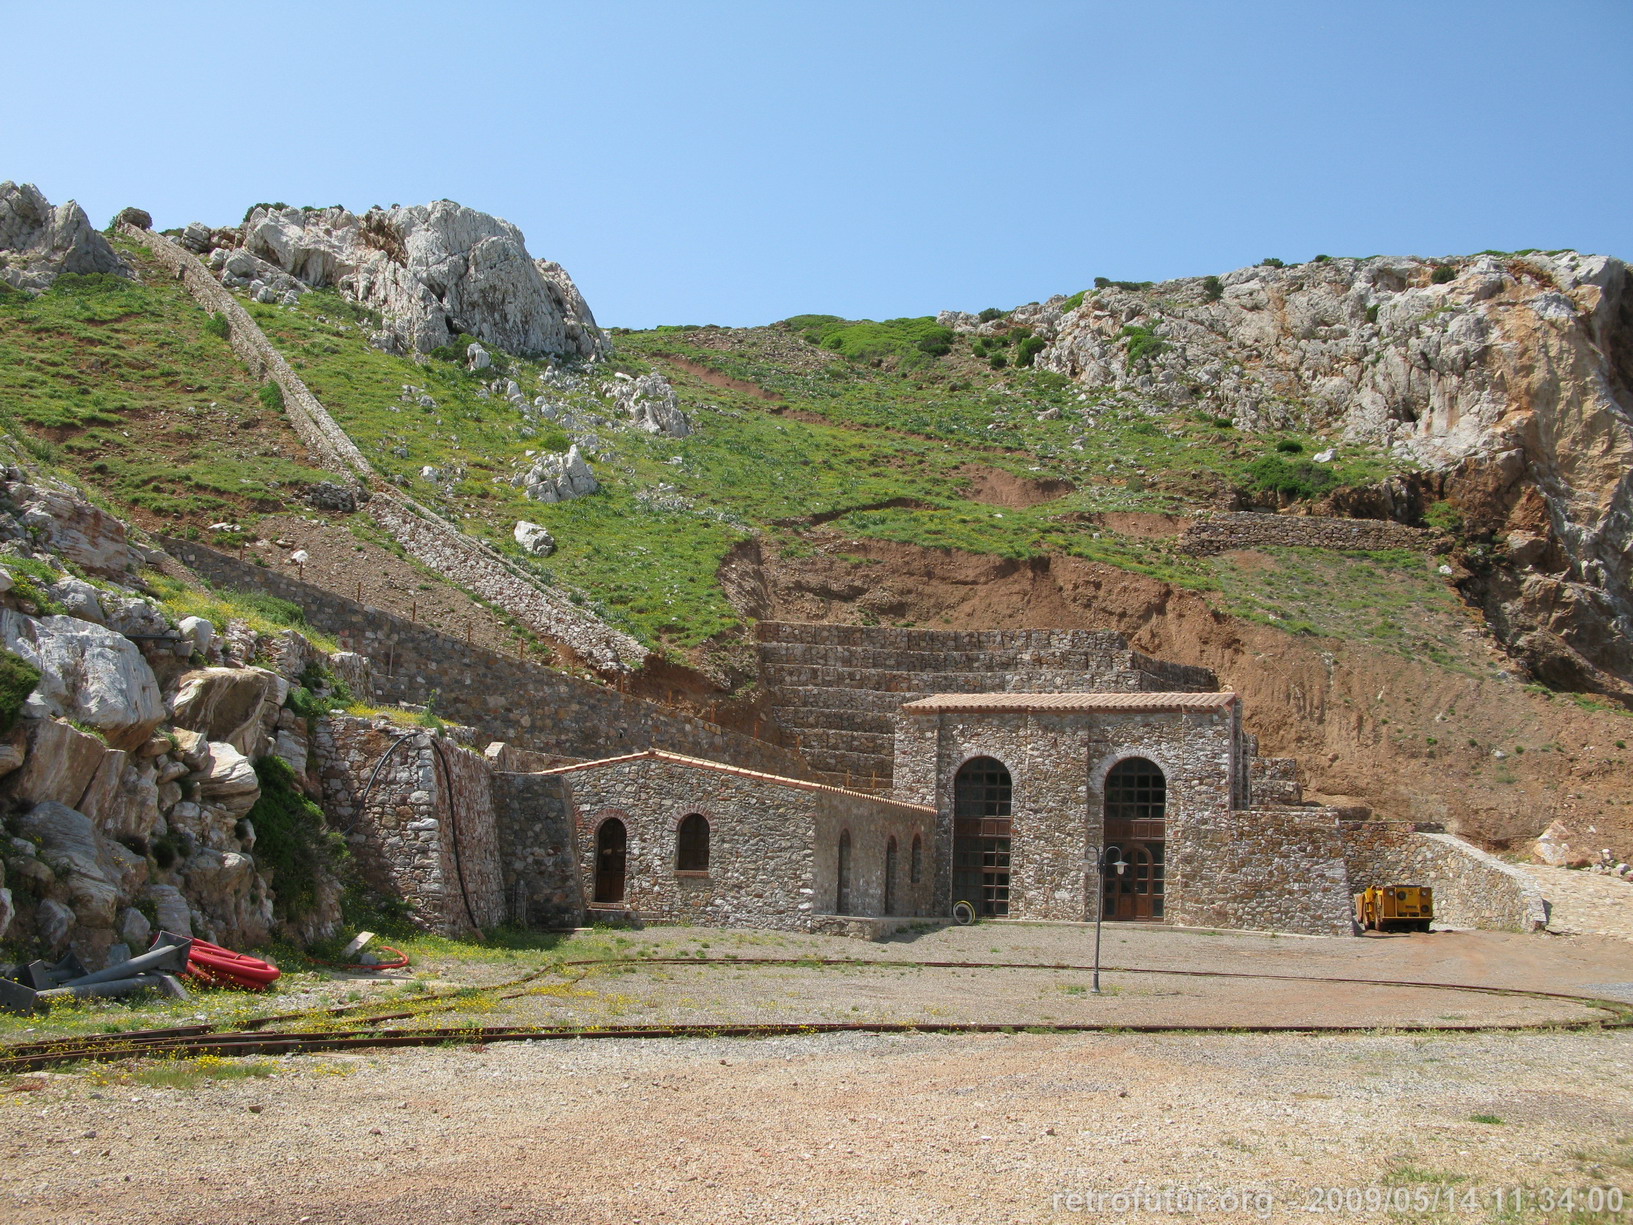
228	781
13	749
327	495
171	909
534	539
138	217
198	631
197	237
79	598
237	706
477	358
60	763
8	911
87	673
55	923
84	863
133	928
122	799
1553	846
72	527
558	477
40	242
651	405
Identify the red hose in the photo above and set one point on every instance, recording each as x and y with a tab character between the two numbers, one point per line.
400	962
220	967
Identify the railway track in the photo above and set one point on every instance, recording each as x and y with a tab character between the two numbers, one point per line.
257	1038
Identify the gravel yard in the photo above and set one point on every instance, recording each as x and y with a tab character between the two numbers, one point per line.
858	1127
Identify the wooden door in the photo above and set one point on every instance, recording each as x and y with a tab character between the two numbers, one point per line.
611	843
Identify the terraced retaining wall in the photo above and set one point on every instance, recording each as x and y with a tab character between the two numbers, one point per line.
503	698
836	689
1249	530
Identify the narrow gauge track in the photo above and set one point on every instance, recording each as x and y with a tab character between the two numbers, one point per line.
255	1038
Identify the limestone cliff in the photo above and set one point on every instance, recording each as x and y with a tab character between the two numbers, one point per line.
433	271
38	242
1504	383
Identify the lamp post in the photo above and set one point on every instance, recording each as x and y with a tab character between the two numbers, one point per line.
1101	858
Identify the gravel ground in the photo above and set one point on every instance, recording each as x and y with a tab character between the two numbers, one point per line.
842	1128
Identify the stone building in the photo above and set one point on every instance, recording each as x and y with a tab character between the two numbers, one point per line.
990	767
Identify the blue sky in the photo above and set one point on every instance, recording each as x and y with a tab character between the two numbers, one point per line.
733	162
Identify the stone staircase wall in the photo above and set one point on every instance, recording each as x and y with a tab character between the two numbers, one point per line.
425	534
836	690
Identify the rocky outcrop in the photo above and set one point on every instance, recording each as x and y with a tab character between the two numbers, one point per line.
558	477
534	539
650	404
1507	379
38	243
88	673
433	271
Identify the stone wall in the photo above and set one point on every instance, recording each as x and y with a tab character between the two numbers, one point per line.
1270	869
528	705
421	826
836	689
772	841
1221	533
425	534
536	850
1058	762
1472	888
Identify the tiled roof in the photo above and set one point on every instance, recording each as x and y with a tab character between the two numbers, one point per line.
977	703
700	763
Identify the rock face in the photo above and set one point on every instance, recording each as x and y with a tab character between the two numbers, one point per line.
433	271
1508	378
558	477
88	673
38	242
651	405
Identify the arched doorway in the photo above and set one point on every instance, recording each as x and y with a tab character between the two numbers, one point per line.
842	900
1136	818
890	876
981	803
611	843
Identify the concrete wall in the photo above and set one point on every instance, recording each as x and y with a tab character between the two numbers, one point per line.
421	827
1472	888
767	839
504	698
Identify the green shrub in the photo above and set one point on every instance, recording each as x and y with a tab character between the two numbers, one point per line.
1143	343
1272	262
1029	349
292	839
1443	273
1101	282
272	397
991	313
1291	478
1322	259
1372	314
1073	302
998	361
216	325
1445	516
1288	447
910	342
1212	289
17	680
454	350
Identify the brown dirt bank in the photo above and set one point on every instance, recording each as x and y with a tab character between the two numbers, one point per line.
1412	739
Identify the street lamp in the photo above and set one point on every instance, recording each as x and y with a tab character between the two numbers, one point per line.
1101	859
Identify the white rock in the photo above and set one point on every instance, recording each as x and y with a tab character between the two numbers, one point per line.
651	405
198	631
1324	457
477	358
87	673
534	538
558	477
235	706
39	242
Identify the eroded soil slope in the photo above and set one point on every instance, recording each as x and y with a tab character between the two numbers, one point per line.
1370	722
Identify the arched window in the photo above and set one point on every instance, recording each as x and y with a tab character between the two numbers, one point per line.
981	806
692	843
1136	822
611	843
915	862
890	876
842	899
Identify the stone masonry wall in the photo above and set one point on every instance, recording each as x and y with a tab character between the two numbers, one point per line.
429	537
763	838
504	698
1472	888
1270	869
537	851
1058	762
421	827
1247	530
836	689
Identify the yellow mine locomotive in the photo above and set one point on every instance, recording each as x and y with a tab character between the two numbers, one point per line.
1395	908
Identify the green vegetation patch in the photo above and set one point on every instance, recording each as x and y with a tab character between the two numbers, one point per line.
17	680
292	839
909	342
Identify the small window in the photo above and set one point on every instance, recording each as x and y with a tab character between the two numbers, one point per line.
915	862
692	844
